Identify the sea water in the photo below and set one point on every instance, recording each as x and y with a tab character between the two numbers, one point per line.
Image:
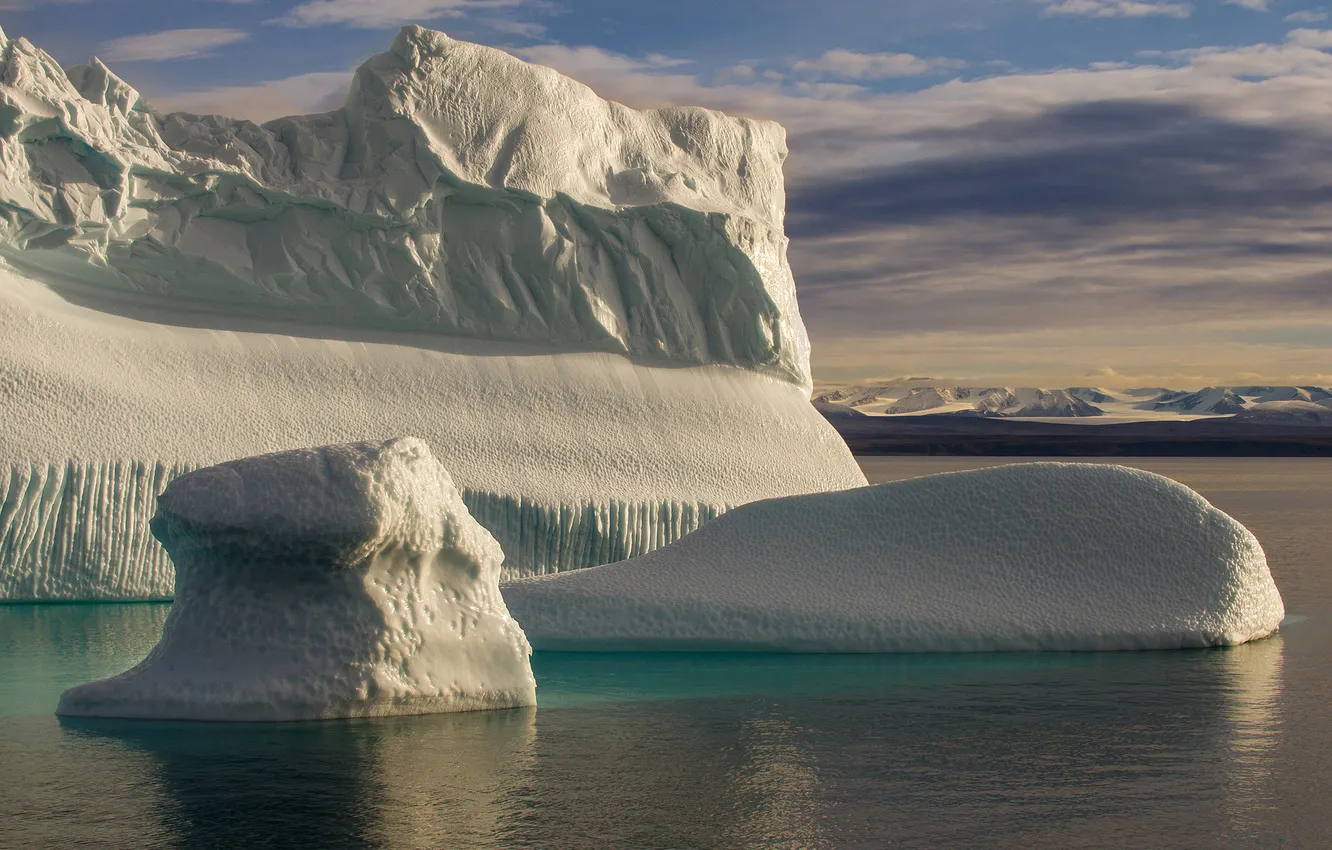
1209	748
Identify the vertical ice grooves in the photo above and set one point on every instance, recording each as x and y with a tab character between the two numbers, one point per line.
79	530
540	538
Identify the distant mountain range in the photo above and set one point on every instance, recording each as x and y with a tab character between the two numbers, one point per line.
1294	405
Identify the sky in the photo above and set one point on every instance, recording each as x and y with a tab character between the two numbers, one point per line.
1040	192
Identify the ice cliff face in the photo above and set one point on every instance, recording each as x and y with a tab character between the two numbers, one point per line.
584	310
459	190
347	581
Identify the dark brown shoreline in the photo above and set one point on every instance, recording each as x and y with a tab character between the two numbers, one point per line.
942	434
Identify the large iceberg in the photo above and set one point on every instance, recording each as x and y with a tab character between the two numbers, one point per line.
584	309
347	581
1040	556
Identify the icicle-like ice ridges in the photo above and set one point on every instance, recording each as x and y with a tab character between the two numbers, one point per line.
540	538
78	530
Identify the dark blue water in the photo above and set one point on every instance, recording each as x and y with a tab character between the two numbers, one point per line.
1217	748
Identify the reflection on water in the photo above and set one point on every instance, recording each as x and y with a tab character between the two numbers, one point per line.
1255	727
47	648
1153	749
397	782
778	788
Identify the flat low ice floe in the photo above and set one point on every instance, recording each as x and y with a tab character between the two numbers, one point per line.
347	581
1041	556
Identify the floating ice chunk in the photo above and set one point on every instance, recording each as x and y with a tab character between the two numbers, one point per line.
344	581
1040	556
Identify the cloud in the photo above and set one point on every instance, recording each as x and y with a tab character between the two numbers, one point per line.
524	29
868	66
373	14
1143	232
25	5
170	44
1089	162
594	63
1308	17
1317	39
316	92
1117	9
1256	5
829	90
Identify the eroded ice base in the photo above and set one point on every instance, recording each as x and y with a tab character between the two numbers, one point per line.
1042	556
347	581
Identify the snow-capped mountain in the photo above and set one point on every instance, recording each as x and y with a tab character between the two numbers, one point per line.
1311	394
927	398
906	397
1287	413
985	401
1092	395
861	395
1147	392
1214	400
1033	402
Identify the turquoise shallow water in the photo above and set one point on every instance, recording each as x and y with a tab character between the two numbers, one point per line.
1218	748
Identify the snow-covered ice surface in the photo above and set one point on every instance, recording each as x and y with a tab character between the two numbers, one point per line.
1041	556
346	581
584	309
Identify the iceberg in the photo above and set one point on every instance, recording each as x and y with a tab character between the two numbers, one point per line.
584	309
346	581
1039	556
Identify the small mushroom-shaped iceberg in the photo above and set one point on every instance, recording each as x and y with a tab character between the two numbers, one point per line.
344	581
1036	556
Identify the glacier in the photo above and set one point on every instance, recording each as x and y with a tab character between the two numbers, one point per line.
344	581
1038	556
584	309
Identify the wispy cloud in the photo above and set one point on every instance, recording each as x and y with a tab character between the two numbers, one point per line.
868	66
316	92
595	63
1256	5
1118	9
170	44
25	5
827	91
372	14
1306	17
1317	39
523	29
